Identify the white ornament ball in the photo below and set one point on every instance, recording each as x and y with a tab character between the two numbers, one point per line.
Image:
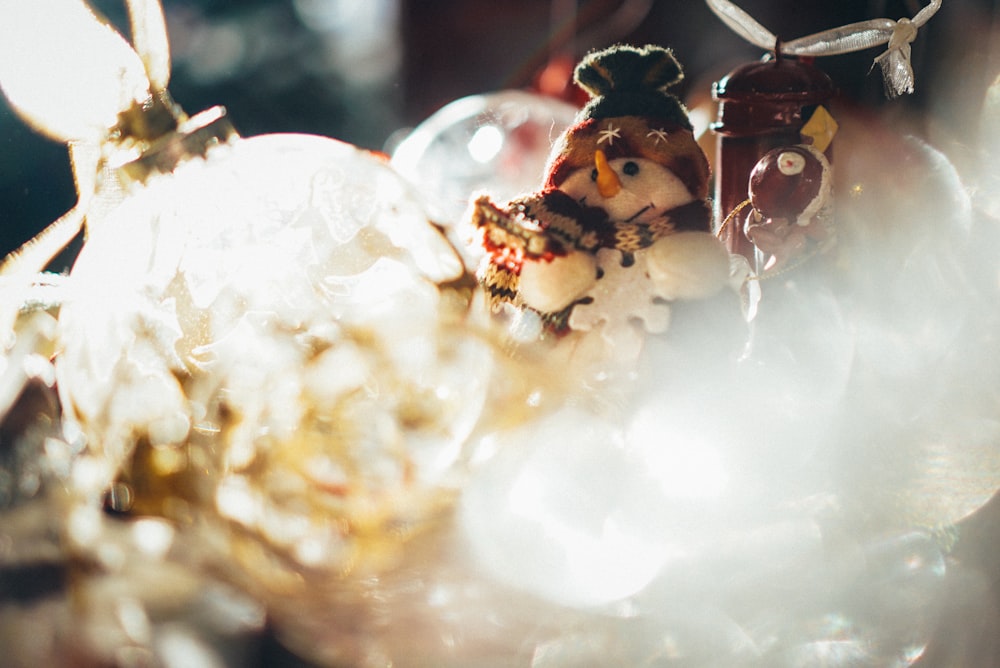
496	142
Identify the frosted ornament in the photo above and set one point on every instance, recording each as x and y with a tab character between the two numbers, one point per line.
202	245
568	516
586	512
497	141
267	238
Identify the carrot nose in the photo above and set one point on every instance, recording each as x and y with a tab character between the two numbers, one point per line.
608	183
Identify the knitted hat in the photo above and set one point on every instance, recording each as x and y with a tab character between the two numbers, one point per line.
630	114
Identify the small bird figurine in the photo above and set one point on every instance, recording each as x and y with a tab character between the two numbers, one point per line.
790	192
621	224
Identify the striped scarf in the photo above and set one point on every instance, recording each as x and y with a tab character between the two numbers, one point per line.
549	224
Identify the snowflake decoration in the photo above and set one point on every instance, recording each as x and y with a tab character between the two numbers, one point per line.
609	134
625	301
658	135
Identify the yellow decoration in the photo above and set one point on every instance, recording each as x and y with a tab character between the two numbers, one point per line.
821	128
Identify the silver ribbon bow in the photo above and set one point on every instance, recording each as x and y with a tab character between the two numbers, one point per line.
897	73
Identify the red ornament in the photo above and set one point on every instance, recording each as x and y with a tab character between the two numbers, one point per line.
762	106
789	183
789	190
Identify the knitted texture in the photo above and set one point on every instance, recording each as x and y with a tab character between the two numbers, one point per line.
631	114
629	81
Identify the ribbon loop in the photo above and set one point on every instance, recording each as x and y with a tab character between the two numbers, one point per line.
897	73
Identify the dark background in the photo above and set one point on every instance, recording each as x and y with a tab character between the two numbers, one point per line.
278	65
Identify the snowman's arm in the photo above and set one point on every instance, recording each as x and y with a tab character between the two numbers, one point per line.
510	238
688	265
694	216
551	286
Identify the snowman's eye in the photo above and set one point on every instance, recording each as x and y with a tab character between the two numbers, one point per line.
790	163
630	168
593	175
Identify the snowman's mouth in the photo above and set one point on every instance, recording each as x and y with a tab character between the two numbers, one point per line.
639	213
635	217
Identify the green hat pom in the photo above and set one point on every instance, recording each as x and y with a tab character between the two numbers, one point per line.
629	81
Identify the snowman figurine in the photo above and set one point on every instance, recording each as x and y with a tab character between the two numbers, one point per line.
621	225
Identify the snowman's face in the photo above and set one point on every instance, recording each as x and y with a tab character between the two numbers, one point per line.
646	189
